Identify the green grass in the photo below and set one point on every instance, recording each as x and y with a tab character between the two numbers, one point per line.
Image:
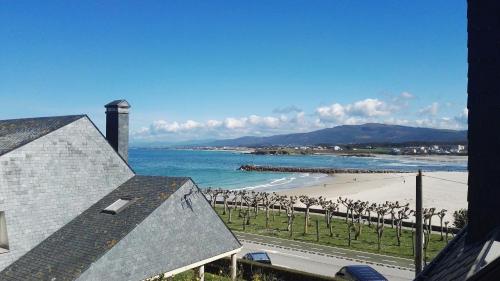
367	241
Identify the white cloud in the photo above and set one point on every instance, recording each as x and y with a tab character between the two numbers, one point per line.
355	113
367	110
463	117
335	112
234	123
214	123
406	95
286	110
430	109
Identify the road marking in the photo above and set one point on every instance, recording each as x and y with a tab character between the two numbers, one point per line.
296	256
269	251
363	257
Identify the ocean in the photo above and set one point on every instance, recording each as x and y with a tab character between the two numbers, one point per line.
219	169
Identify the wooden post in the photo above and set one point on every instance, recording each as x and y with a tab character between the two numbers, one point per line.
233	267
317	230
418	225
201	273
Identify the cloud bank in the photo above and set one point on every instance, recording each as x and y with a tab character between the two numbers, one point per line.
291	119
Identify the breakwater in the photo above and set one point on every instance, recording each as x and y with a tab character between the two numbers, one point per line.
254	168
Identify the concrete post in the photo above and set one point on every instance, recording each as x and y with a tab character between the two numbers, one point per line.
234	267
418	225
201	273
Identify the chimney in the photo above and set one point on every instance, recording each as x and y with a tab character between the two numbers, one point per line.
484	111
117	126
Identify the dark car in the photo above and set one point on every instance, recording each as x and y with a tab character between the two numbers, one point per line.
359	273
261	257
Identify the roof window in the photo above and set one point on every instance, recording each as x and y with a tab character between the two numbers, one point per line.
118	206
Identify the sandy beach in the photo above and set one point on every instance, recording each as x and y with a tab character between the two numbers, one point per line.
441	190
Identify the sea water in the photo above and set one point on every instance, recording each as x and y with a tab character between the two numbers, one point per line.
219	169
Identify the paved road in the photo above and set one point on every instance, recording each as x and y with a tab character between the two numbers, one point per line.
323	259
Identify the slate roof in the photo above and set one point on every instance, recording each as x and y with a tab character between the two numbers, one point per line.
118	103
15	133
458	260
72	249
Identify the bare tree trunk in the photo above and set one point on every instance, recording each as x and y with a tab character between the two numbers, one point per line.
349	235
441	222
225	205
306	220
267	217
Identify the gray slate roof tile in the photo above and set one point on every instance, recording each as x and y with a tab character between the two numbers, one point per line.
72	249
18	132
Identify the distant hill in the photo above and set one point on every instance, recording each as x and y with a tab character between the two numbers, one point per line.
353	134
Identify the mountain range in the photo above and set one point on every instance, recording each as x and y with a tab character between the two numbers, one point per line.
371	133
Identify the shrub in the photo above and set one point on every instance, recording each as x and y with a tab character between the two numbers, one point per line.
460	218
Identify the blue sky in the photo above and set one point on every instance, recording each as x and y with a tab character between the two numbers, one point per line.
218	69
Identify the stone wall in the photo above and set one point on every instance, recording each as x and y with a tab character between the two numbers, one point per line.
48	182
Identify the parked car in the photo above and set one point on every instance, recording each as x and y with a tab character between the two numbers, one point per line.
359	273
261	257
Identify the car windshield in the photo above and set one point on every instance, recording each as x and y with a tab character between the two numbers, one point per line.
260	257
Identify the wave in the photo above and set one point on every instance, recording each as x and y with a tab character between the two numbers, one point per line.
293	181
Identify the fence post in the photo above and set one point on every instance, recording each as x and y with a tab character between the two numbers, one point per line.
317	230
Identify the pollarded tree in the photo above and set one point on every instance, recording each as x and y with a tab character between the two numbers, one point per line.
359	208
446	228
283	203
393	206
215	193
332	208
324	205
308	202
371	208
208	192
226	194
268	200
441	214
347	204
256	197
291	201
431	213
381	212
403	214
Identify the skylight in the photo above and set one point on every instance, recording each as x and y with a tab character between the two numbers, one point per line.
118	206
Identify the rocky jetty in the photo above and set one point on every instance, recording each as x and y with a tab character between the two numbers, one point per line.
313	170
